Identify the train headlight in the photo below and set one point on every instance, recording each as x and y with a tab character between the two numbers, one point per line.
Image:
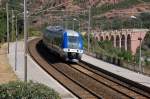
81	51
65	49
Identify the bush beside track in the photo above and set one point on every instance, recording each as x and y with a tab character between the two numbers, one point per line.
23	90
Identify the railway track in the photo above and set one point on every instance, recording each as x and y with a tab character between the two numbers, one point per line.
80	79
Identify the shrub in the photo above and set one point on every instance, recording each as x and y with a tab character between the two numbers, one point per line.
2	24
23	90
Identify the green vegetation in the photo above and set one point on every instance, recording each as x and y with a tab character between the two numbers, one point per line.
147	63
16	5
146	49
2	25
115	52
106	48
142	21
85	42
144	18
23	90
34	32
146	42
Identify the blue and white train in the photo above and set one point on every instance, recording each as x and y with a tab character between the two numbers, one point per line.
67	43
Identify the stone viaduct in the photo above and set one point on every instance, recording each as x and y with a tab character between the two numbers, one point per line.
128	39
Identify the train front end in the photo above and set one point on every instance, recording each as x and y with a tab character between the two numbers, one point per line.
72	46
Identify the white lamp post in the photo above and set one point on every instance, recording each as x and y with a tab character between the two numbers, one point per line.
7	25
140	39
25	41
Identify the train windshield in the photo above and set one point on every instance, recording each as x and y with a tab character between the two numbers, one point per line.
73	41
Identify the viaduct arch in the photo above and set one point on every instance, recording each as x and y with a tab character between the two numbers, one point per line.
126	38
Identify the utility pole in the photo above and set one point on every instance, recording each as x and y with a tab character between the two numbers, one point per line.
140	39
7	26
89	26
25	42
73	25
140	54
12	28
79	27
16	46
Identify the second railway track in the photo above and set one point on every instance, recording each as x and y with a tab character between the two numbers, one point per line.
81	80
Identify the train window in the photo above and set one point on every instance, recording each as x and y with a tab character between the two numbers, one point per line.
73	42
73	39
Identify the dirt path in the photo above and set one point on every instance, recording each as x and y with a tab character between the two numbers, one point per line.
6	72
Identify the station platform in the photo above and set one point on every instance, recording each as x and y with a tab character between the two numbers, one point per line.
133	76
34	71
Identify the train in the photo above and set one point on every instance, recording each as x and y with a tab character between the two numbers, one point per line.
68	44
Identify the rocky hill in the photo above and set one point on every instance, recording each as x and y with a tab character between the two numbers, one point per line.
123	8
101	8
110	9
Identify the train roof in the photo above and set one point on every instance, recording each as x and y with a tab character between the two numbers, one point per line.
72	33
59	29
55	28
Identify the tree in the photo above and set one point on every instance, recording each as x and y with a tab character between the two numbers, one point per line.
145	19
146	41
2	25
146	45
116	23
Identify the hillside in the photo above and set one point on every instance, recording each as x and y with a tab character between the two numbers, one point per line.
108	8
101	9
126	12
103	12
